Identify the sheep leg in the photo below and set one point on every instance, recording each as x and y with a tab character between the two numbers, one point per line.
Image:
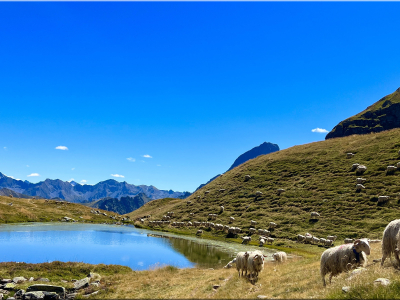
396	255
323	281
330	278
384	256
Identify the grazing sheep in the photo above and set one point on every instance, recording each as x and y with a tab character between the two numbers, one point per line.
279	191
328	243
331	237
241	262
231	219
189	202
354	166
348	240
199	232
206	192
270	240
255	264
263	232
342	258
279	256
349	155
391	169
314	214
308	238
253	223
361	169
191	214
247	177
390	241
300	238
262	242
246	239
272	225
252	230
322	241
222	209
359	187
361	180
382	199
258	193
315	240
222	190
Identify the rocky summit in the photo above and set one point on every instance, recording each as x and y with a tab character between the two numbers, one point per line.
382	115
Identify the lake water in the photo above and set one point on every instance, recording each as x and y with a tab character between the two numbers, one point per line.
109	244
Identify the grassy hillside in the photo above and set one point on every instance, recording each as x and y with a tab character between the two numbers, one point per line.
40	210
316	177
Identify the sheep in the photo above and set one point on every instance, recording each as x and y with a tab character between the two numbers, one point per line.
361	180
246	239
262	242
322	241
359	187
340	258
331	237
349	155
252	230
328	243
231	219
255	263
258	193
300	238
189	202
272	224
391	169
263	232
270	240
206	192
354	166
314	214
361	169
253	223
280	191
222	190
189	223
279	256
382	199
229	264
199	232
315	240
390	241
222	208
247	177
398	165
241	262
308	238
191	214
348	240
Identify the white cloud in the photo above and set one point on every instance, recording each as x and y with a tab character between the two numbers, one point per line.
83	181
71	180
158	165
131	159
320	130
61	148
5	148
9	176
33	175
117	175
73	169
27	166
147	156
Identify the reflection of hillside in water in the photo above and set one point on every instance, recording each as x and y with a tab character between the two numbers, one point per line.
202	254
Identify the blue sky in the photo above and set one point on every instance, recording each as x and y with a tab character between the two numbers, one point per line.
191	84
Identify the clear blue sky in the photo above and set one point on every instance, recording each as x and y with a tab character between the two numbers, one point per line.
193	85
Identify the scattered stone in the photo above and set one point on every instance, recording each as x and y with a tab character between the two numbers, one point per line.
94	277
64	281
82	283
51	296
19	279
92	294
346	289
33	295
262	297
47	288
9	286
6	281
216	286
382	281
18	294
355	272
96	284
44	279
71	296
31	279
377	260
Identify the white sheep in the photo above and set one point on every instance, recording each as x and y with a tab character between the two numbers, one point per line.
241	262
247	177
189	202
359	187
331	237
348	240
300	238
398	165
328	243
315	240
222	208
222	190
342	258
272	224
270	240
255	264
350	155
199	232
262	242
361	169
280	191
258	193
246	239
354	166
253	223
252	230
361	180
279	256
391	169
314	214
231	219
382	199
390	241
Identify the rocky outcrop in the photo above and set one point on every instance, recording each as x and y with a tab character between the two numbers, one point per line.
382	115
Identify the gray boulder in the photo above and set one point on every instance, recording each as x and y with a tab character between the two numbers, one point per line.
33	295
82	283
19	279
47	288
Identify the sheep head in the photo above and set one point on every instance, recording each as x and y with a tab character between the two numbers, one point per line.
362	245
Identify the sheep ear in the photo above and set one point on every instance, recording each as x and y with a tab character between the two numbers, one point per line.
264	255
356	242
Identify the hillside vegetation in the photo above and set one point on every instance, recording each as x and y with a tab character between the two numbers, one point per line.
315	177
41	210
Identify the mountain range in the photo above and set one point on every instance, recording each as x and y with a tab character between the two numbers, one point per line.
264	148
123	205
75	192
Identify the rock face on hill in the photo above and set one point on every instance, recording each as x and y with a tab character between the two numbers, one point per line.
382	115
73	192
8	192
264	148
123	205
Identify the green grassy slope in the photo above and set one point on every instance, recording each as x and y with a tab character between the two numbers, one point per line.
316	177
